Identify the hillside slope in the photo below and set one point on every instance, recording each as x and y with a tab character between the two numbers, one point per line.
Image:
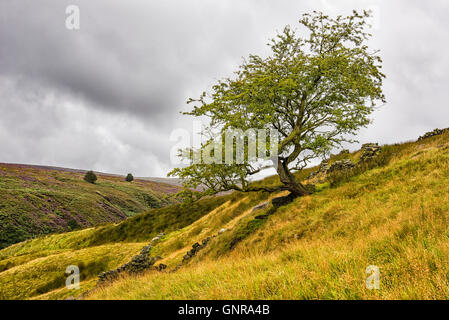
391	213
40	200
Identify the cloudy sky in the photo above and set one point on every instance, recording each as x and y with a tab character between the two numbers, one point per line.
108	96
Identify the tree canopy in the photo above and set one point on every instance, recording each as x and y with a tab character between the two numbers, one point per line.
315	91
90	177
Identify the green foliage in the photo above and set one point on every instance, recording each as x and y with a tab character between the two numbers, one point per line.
316	91
129	177
90	177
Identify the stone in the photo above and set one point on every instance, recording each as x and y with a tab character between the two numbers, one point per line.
369	151
161	267
435	132
322	169
341	165
158	237
138	264
195	248
324	166
222	231
195	245
261	206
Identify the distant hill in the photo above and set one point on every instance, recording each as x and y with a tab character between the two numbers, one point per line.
171	181
37	200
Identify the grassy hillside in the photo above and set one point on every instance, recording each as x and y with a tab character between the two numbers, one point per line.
391	213
39	200
36	267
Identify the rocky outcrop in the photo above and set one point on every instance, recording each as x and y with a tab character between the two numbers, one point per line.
138	264
322	169
341	165
433	133
369	151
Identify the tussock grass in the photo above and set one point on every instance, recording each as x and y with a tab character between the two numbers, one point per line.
35	268
393	216
44	274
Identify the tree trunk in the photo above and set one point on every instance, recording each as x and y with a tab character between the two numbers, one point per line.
289	180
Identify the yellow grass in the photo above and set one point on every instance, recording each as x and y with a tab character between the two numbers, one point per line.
318	247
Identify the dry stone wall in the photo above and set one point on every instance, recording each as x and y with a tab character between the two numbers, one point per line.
433	133
138	264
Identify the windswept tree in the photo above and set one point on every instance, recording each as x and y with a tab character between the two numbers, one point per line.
316	91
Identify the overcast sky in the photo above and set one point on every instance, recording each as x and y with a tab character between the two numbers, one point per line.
106	97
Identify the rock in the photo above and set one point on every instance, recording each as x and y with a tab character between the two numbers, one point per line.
158	237
195	248
161	267
195	245
345	164
205	241
145	250
138	263
261	206
222	230
369	151
324	166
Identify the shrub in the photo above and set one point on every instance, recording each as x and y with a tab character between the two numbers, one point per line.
129	177
90	177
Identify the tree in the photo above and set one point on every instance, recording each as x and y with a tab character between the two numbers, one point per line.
129	177
90	177
315	91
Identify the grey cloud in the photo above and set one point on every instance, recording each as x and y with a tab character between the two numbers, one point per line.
107	96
